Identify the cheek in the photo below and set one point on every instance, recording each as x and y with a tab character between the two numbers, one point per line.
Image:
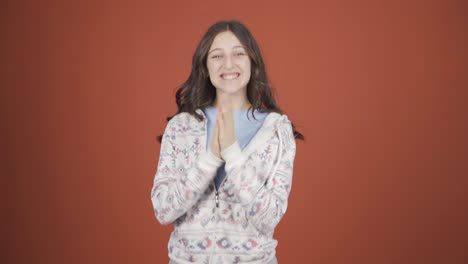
247	69
211	69
247	65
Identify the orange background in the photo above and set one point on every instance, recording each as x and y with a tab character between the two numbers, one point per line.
377	87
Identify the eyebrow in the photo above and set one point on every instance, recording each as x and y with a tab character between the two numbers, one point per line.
237	46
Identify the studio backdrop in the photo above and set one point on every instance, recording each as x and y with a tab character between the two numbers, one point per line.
378	88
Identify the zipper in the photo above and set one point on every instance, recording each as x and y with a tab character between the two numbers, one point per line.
216	215
213	243
216	190
214	184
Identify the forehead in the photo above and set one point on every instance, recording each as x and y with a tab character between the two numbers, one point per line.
225	40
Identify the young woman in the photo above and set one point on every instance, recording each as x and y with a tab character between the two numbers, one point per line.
226	163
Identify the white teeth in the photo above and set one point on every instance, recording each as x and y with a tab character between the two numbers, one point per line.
230	76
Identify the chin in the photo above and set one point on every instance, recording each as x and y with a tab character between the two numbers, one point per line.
230	89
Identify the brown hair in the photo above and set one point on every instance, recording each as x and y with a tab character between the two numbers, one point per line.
198	91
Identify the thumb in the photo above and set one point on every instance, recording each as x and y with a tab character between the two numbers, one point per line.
217	129
219	126
215	147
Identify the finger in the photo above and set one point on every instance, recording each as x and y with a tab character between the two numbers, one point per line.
228	120
220	121
215	134
215	130
221	117
215	147
221	133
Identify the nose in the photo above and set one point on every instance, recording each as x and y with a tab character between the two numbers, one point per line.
228	62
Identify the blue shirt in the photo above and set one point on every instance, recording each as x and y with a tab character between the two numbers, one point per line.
245	126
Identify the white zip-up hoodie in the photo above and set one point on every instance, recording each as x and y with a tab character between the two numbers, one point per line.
236	223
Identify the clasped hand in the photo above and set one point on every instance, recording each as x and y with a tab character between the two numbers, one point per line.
223	131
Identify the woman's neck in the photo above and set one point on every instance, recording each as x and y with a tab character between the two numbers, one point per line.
224	101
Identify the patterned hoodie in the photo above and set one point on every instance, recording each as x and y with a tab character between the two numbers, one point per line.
234	224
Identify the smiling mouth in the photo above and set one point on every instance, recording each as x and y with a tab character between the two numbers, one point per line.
230	76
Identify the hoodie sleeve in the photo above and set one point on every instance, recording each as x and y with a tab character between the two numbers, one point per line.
179	183
265	198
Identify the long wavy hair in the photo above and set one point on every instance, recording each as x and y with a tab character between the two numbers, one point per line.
198	92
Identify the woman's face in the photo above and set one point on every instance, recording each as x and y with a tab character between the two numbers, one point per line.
228	64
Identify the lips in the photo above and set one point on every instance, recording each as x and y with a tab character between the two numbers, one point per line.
230	76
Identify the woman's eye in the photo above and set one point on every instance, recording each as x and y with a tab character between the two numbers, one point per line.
216	57
240	54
